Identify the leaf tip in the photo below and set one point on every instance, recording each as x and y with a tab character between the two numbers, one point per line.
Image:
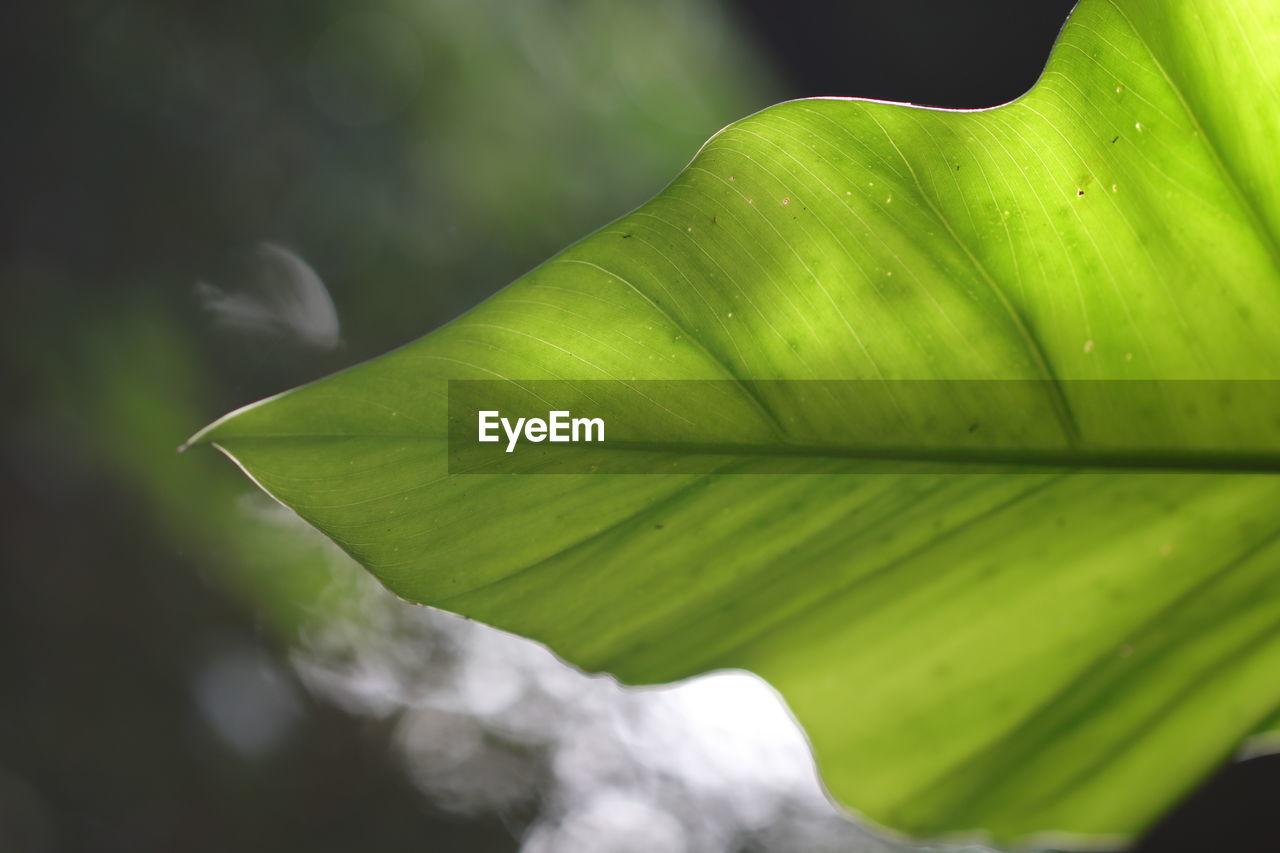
201	436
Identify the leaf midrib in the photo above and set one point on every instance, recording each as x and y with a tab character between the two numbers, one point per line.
1257	462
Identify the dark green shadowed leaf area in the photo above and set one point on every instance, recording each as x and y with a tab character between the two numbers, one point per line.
1022	652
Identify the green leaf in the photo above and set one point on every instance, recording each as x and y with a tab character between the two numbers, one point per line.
1045	648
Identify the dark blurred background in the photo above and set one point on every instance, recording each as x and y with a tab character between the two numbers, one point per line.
205	203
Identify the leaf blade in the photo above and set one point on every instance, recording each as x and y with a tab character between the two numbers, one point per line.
1070	235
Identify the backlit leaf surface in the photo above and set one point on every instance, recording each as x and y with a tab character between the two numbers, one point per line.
1049	650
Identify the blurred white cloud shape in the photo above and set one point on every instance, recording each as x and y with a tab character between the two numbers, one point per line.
246	700
733	729
281	296
611	821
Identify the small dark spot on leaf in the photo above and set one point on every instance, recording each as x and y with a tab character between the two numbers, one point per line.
1113	139
1079	193
957	167
658	526
973	426
625	236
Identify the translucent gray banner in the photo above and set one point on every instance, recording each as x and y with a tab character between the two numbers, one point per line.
863	426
